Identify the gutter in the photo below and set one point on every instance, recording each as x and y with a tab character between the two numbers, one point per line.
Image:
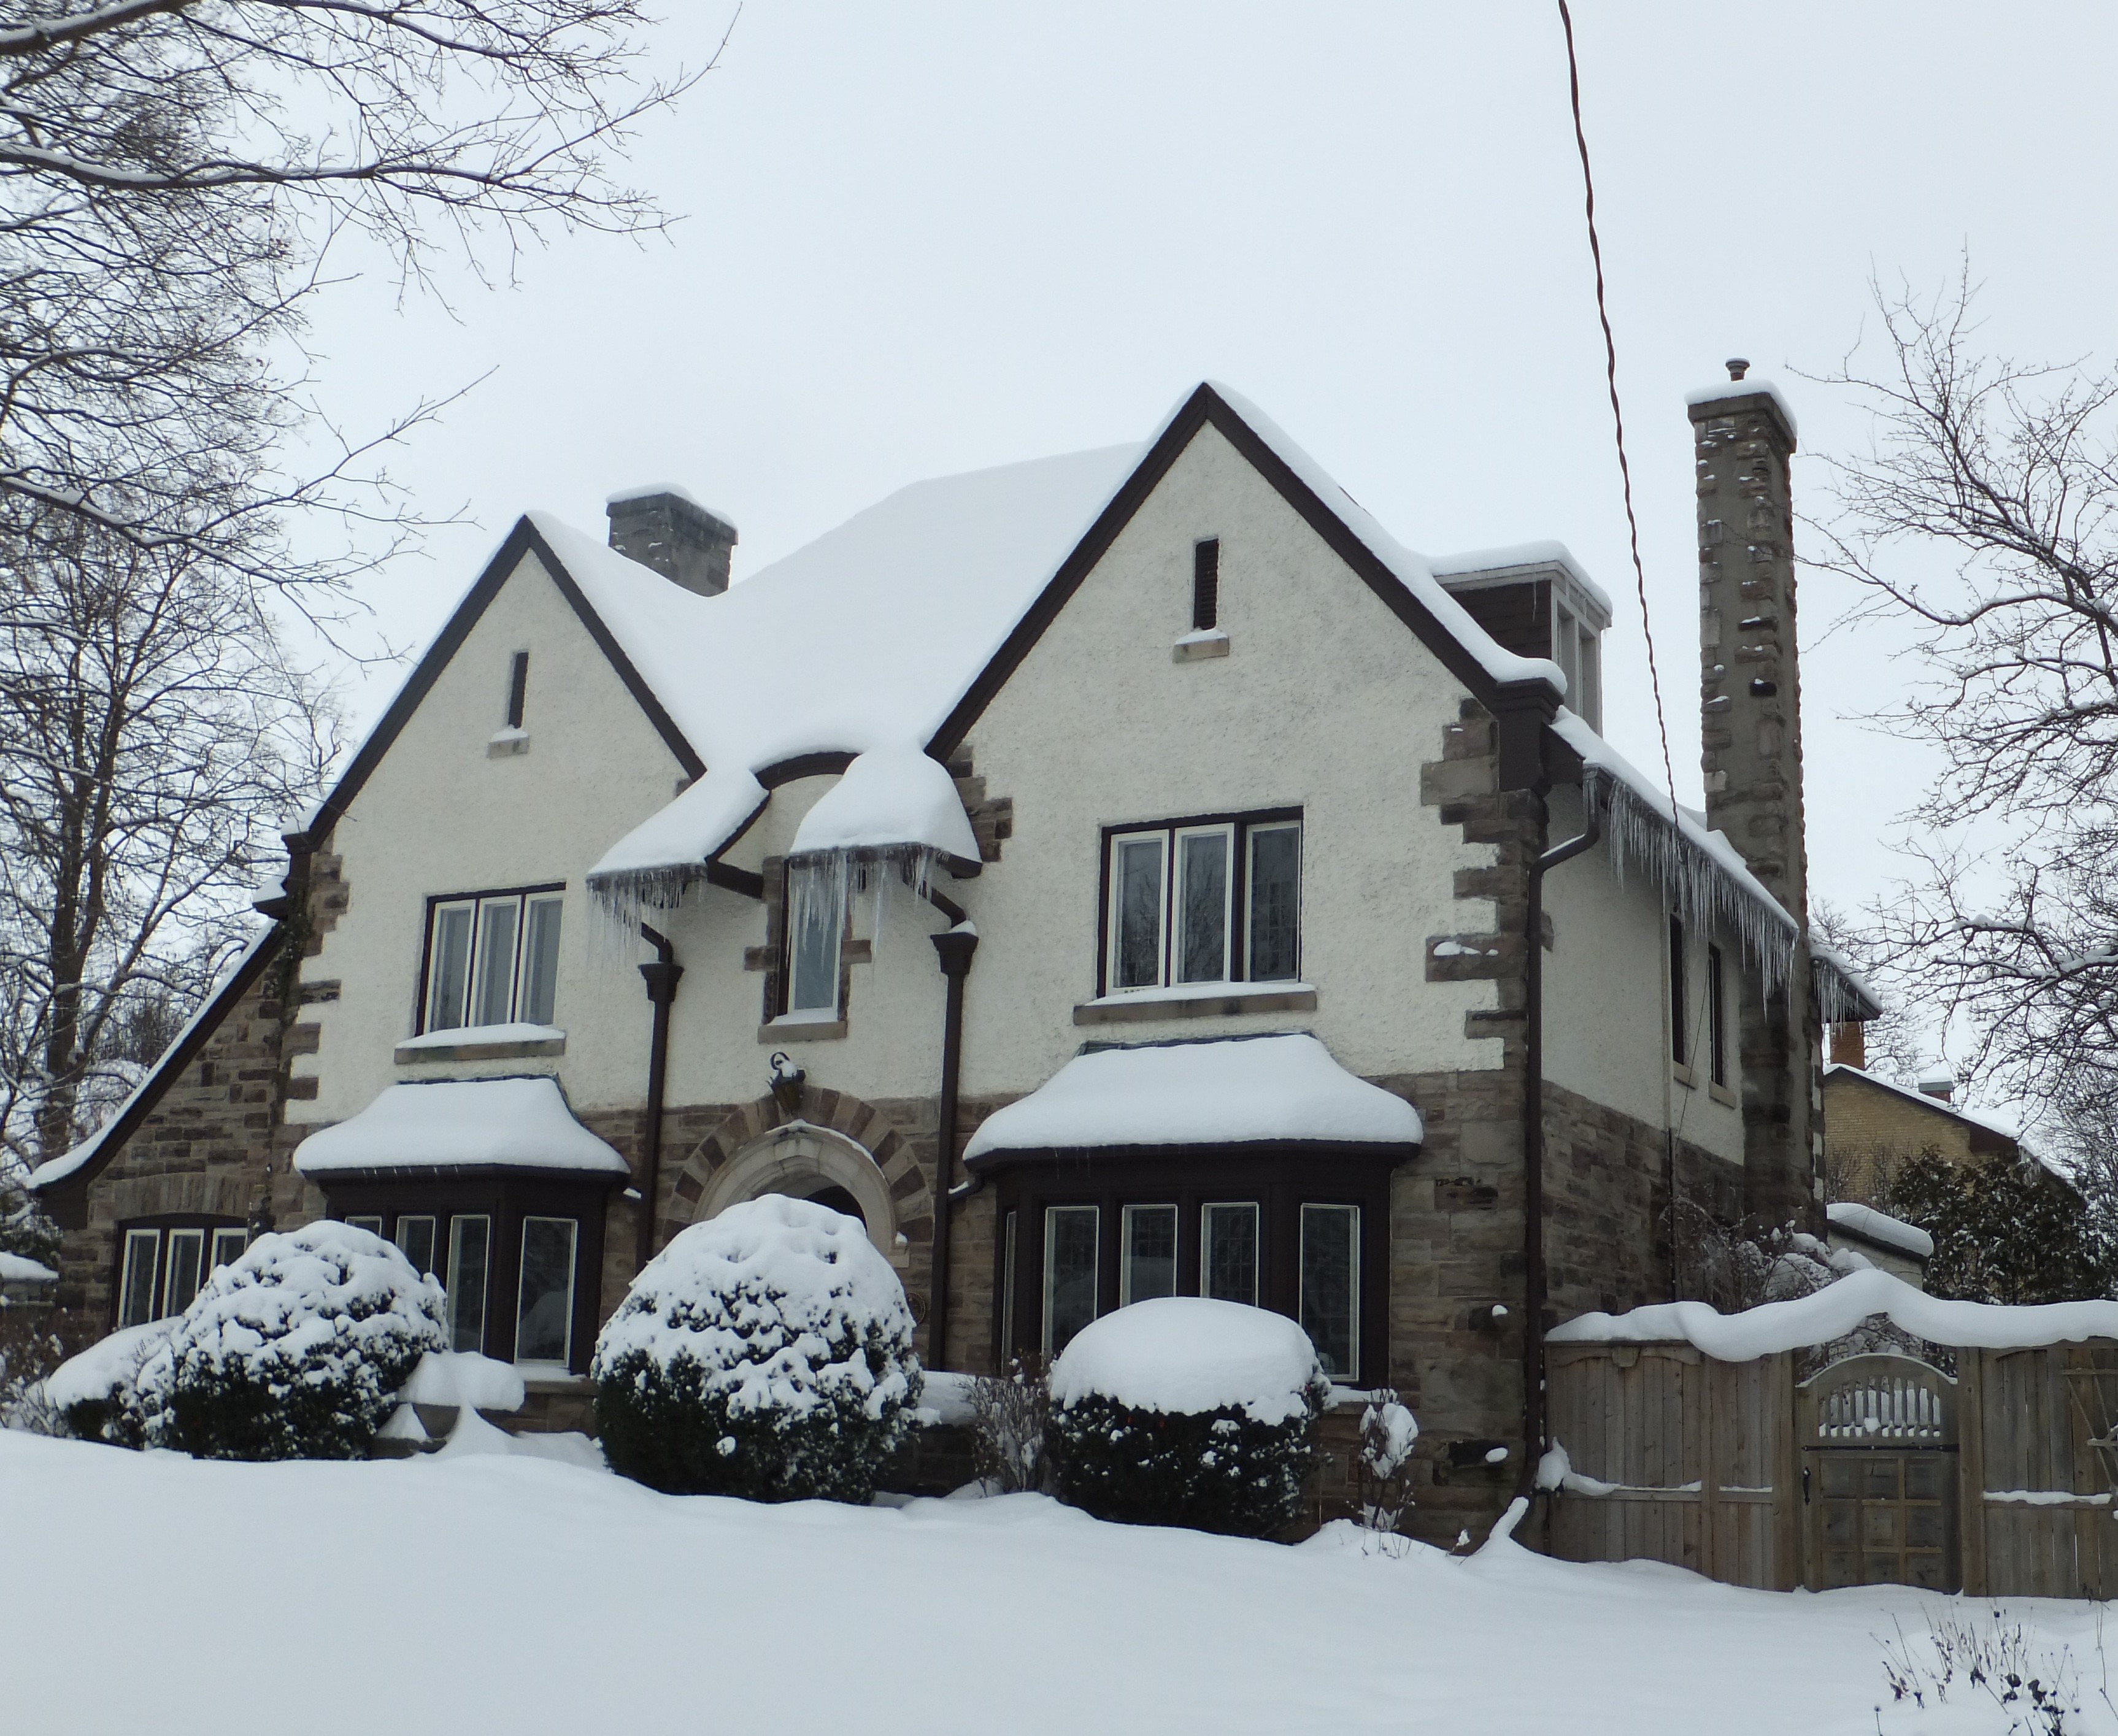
661	975
1534	1281
954	948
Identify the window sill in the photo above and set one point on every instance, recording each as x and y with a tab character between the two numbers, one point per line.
483	1043
550	1377
1684	1075
1197	1000
1722	1094
801	1028
505	743
1193	648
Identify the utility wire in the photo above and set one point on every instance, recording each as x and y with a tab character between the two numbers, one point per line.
1617	415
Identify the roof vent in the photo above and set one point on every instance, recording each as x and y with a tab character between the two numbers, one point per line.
1938	1082
662	527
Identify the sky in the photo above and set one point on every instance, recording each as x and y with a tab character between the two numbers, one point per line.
932	238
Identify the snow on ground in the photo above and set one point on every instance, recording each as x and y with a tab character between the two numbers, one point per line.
524	1591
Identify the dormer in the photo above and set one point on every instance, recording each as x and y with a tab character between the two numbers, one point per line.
1536	601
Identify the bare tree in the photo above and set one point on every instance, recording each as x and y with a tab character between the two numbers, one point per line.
1984	512
173	173
153	734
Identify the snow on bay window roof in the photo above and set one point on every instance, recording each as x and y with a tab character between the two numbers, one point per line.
518	1124
1233	1091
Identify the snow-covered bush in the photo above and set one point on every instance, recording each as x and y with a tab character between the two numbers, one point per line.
1382	1466
1184	1410
294	1351
96	1393
766	1353
1009	1413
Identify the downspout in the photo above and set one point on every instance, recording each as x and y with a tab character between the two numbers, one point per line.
1533	1419
661	975
954	948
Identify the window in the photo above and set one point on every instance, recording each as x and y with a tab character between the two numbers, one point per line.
372	1225
1205	584
1229	1251
815	927
518	689
468	1240
1330	1286
136	1293
1207	901
1566	653
163	1265
1148	1261
1070	1246
493	958
544	1305
1716	1036
1680	1043
415	1240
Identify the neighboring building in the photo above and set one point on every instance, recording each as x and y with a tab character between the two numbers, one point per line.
1900	1248
1873	1124
1107	875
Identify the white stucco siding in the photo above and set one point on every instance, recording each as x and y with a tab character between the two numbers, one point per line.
1606	1010
439	816
1326	703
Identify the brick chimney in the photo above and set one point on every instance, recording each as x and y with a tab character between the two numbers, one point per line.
1938	1082
663	527
1849	1046
1743	437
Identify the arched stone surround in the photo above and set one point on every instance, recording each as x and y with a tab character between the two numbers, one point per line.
832	1140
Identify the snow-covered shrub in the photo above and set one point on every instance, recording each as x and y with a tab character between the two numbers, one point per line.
1184	1410
294	1351
766	1353
1009	1413
1382	1466
96	1393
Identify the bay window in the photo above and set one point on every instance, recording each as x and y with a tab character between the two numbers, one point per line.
1213	900
493	958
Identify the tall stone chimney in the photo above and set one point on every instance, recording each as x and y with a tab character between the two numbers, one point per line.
663	527
1743	437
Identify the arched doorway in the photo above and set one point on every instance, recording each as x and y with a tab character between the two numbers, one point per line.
810	1162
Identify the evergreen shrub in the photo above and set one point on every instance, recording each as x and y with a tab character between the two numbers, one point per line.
766	1353
296	1351
1187	1412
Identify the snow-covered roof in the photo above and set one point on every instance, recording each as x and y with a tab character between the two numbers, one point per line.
1751	386
890	797
16	1268
520	1124
1835	1310
1940	1106
1519	554
1229	1092
869	637
57	1169
1869	1224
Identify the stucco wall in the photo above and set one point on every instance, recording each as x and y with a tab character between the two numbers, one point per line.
1607	1011
438	815
1325	702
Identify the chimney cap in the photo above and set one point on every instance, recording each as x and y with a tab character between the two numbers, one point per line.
1938	1082
1737	367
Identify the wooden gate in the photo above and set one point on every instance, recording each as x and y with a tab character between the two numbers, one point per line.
1879	1475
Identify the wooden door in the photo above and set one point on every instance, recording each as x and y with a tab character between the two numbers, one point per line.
1879	1475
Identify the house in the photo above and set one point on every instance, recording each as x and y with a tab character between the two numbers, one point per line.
1119	874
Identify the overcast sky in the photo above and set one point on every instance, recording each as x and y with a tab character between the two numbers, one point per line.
925	239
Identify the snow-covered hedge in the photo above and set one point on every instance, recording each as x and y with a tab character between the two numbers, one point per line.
766	1353
1187	1412
95	1392
294	1351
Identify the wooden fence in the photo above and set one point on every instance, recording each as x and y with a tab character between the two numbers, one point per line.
1997	1481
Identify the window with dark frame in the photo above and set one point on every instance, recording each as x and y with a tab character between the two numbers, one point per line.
493	958
1071	1244
1680	1044
1147	1257
544	1307
1214	900
518	689
162	1268
471	1238
1330	1311
1716	1035
1229	1251
816	907
1205	584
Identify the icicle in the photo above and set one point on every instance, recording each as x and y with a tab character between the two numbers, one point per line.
622	902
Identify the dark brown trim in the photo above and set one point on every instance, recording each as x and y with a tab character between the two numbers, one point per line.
731	878
661	975
1238	938
523	539
953	950
66	1201
804	765
1203	407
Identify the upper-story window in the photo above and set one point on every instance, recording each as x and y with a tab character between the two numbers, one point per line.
1212	900
816	927
493	958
